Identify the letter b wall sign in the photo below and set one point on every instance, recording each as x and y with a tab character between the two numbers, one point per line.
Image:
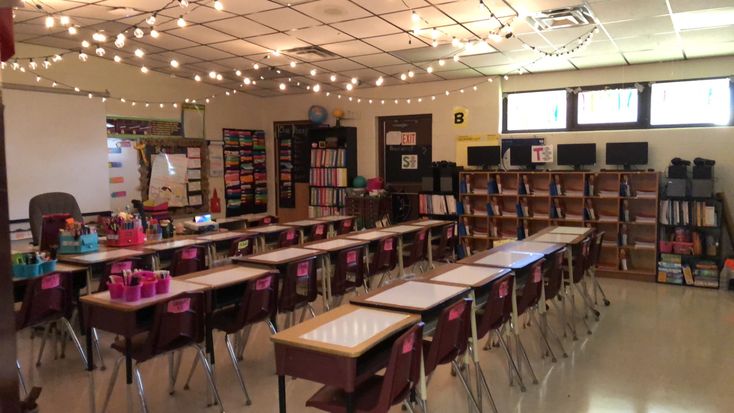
460	117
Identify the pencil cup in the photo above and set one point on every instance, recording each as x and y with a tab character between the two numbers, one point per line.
148	288
116	290
162	286
132	293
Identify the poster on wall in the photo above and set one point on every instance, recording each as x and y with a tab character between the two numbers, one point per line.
168	180
409	162
460	116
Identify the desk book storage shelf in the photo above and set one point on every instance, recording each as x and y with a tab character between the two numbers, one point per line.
333	168
515	204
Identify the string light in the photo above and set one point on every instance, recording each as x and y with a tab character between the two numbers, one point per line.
332	78
354	80
99	37
415	17
73	30
83	57
403	76
120	40
218	6
349	87
64	20
312	72
212	75
138	33
238	72
282	86
429	69
144	69
411	73
247	81
154	34
99	51
293	64
256	66
85	44
197	78
139	53
151	19
181	22
117	59
441	62
174	63
50	22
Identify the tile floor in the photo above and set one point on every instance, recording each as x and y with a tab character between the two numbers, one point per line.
657	348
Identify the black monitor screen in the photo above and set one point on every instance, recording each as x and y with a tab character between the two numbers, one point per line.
483	155
520	155
577	154
627	153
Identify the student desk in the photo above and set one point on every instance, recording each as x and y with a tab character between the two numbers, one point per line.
220	239
78	273
232	223
333	220
340	348
303	225
158	248
267	230
331	248
431	224
415	297
124	319
372	235
101	257
401	230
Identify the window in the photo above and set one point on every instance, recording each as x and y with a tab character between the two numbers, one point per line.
691	102
607	106
536	110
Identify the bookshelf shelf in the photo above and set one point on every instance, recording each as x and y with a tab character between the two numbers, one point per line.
333	161
540	199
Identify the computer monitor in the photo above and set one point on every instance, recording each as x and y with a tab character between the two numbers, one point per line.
627	153
576	154
521	155
483	156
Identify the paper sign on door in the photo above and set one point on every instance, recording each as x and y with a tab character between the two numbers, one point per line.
409	162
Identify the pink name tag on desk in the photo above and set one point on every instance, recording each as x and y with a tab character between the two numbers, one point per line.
388	244
347	223
456	313
290	235
50	281
352	257
267	220
189	254
263	283
319	230
179	306
537	273
303	269
504	289
119	267
408	345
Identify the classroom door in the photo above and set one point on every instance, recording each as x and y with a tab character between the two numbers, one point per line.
405	150
292	159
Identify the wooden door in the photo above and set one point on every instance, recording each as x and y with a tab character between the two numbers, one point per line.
405	153
292	173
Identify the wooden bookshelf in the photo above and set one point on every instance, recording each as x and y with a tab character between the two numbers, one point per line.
333	156
530	201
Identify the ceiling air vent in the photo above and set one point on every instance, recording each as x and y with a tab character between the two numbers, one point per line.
311	52
561	18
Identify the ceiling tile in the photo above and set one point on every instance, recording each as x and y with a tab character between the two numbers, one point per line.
331	11
448	64
422	54
368	27
489	59
277	41
351	48
250	6
181	58
320	35
652	56
100	12
201	34
143	5
387	6
396	70
660	41
364	75
597	47
429	18
337	65
704	36
652	25
283	19
619	10
394	42
378	59
205	53
469	10
459	74
599	60
240	27
709	49
240	47
168	41
57	42
701	19
525	7
679	6
548	64
199	14
498	70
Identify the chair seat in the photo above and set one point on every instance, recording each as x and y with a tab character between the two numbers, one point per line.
332	399
138	352
226	320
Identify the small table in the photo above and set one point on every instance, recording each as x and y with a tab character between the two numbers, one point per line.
333	220
416	297
373	235
401	230
124	319
265	230
312	350
332	247
163	247
303	225
503	259
78	273
101	257
217	239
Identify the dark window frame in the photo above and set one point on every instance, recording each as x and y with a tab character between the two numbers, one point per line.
504	112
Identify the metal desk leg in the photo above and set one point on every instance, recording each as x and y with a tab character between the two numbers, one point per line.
350	402
90	370
564	290
325	282
128	373
401	270
429	250
329	273
89	279
475	349
281	393
303	236
423	382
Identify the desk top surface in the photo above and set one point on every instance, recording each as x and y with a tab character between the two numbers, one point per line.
503	259
548	234
224	276
303	223
279	256
369	235
268	229
100	256
402	229
221	236
346	331
334	244
103	299
544	248
428	222
468	275
172	245
334	218
410	296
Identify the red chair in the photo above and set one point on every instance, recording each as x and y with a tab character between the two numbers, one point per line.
348	272
450	341
416	255
593	264
345	227
446	248
48	300
318	232
378	393
580	266
187	260
553	282
385	259
177	323
493	318
528	296
242	246
288	238
299	289
266	220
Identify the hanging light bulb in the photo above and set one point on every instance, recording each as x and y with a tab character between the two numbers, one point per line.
441	62
434	43
46	64
276	52
175	105
282	86
256	66
151	19
57	58
117	59
139	53
15	65
104	99
455	42
32	65
120	41
238	73
434	33
64	20
379	81
183	3
155	34
219	76
415	17
181	22
247	81
411	73
350	87
83	57
73	30
144	69
197	77
456	58
354	80
76	89
174	63
100	51
85	43
163	105
218	6
316	88
50	21
212	75
293	64
332	78
447	93
403	76
99	37
429	69
53	84
312	72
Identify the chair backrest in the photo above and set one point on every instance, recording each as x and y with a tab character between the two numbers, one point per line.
446	244
581	259
259	300
242	246
288	238
451	337
177	322
385	257
318	232
498	307
116	268
46	298
188	259
402	370
530	293
418	249
596	242
554	274
299	284
51	203
345	227
349	271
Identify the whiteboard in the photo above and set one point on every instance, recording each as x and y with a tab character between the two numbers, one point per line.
55	143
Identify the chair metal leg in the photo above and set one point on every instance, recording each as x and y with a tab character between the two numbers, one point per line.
584	292
550	331
236	367
242	338
111	386
527	360
97	349
469	395
138	378
173	366
511	362
544	337
272	327
191	374
485	384
311	310
209	376
43	343
74	338
572	321
597	286
21	380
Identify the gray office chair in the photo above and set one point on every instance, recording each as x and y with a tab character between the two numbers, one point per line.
50	203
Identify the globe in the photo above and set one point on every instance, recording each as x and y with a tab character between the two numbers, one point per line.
359	182
317	114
